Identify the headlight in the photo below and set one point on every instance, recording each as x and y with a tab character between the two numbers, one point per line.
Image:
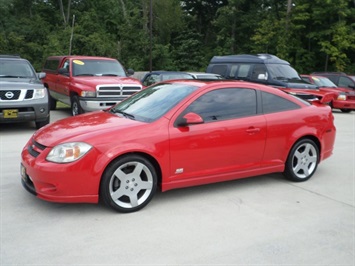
88	94
39	93
341	97
68	152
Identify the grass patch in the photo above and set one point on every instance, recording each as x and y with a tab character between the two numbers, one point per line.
61	105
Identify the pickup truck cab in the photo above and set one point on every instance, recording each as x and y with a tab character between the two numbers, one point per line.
87	83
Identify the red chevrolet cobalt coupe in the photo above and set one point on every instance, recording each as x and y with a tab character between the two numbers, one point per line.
177	134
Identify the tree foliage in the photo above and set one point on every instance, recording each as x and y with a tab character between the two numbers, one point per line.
182	35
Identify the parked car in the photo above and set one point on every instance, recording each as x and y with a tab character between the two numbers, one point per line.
87	83
177	134
204	75
340	79
266	69
22	95
160	75
346	97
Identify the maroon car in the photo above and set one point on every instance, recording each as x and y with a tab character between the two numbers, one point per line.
346	97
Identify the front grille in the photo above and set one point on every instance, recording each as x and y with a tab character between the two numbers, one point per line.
29	94
16	95
117	90
35	148
10	95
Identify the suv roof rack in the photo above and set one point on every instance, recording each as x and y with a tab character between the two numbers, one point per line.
9	56
324	72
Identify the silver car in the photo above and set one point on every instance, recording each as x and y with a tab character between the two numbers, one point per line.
22	94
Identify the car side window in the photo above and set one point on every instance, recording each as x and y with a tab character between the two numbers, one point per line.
219	69
224	104
345	82
259	72
273	103
151	79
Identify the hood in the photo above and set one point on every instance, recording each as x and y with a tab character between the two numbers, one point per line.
301	85
15	82
82	128
99	80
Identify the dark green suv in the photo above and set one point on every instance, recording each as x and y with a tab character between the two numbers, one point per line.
22	94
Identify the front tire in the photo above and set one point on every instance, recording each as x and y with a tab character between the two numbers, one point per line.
128	184
345	110
75	106
302	161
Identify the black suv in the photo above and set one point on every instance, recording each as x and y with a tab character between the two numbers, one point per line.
260	68
339	78
22	94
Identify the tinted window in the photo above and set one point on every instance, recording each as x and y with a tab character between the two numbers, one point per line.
224	104
51	64
219	69
345	82
97	67
16	69
153	102
273	103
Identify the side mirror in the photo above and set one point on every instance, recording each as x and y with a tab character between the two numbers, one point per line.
189	119
63	71
262	76
130	72
41	75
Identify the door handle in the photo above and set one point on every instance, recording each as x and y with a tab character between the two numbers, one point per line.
253	130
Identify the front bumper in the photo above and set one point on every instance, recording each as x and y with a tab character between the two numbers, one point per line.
66	183
93	104
31	111
348	104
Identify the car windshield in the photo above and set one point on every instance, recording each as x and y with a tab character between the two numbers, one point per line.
323	82
283	72
16	69
97	67
153	102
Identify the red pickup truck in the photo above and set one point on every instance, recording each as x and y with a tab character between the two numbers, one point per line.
87	83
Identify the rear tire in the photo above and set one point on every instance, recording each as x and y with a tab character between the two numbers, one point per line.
302	161
40	124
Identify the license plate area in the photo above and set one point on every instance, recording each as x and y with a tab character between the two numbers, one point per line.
10	113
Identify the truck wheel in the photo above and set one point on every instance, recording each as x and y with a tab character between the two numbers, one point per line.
40	124
51	101
75	106
345	110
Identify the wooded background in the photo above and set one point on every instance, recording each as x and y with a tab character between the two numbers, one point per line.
313	35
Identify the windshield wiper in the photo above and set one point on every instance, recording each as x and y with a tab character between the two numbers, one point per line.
113	75
127	115
86	74
11	76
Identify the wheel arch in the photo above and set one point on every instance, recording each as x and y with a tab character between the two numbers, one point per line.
147	156
311	137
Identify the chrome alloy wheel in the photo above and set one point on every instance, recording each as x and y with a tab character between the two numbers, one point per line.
131	184
304	160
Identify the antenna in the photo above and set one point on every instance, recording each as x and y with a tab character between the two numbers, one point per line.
71	35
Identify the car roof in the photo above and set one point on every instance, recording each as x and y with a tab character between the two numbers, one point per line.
80	57
159	72
249	58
